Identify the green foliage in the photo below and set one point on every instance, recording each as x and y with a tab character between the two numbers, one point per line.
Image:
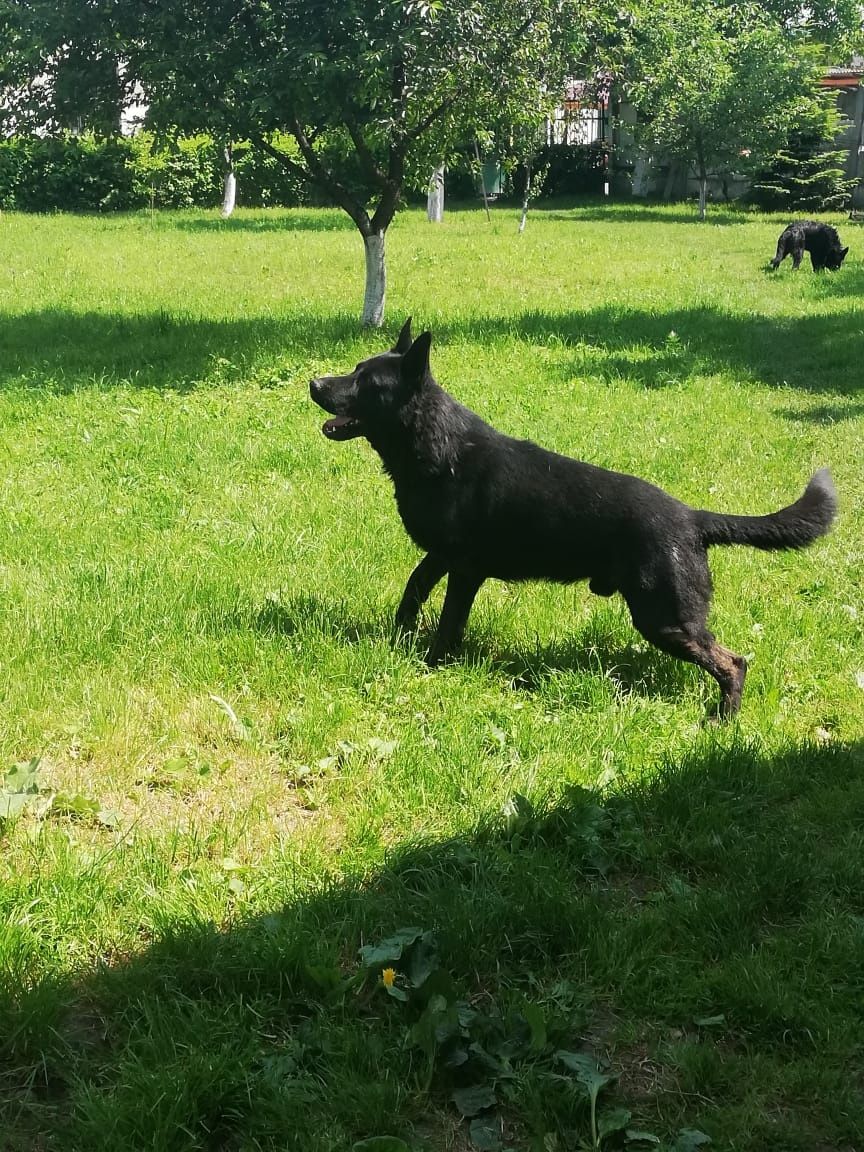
74	173
803	177
718	87
20	788
373	94
22	791
569	171
83	173
487	1062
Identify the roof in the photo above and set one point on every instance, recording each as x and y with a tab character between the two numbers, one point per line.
840	76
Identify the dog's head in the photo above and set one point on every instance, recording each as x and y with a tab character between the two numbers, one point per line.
369	399
835	258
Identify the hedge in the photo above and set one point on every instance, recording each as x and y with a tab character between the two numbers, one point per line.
89	174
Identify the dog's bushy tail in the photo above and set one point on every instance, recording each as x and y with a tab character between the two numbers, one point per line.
810	517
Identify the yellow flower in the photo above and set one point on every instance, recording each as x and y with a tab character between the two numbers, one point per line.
388	976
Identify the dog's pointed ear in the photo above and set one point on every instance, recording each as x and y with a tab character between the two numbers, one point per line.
403	343
415	362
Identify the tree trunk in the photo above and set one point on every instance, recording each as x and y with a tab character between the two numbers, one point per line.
703	187
435	199
525	198
482	182
229	192
671	177
376	280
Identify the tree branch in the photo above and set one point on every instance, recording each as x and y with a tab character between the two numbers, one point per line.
321	178
327	181
364	152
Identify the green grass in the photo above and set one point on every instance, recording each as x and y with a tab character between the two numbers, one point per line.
195	643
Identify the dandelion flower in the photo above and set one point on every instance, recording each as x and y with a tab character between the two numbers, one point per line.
388	976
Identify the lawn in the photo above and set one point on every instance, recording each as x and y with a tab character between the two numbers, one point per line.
223	778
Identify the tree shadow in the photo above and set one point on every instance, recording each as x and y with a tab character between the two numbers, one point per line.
814	353
727	885
629	213
61	350
317	220
824	413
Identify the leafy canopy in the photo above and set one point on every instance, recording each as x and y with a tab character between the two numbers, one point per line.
400	84
719	85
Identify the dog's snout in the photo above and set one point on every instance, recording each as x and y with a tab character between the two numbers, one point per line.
314	388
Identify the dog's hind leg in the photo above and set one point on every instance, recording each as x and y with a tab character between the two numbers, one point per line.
727	669
422	580
691	642
462	587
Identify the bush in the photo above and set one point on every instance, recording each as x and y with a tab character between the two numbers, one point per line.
77	174
88	174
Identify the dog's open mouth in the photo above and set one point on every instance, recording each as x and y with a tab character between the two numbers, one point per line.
342	428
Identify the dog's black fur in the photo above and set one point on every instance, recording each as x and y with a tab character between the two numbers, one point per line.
820	240
481	505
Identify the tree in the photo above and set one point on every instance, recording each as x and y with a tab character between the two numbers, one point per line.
803	177
372	93
57	70
718	86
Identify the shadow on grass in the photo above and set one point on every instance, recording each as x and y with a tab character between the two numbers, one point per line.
824	413
300	615
317	220
701	929
630	213
62	350
635	668
632	669
849	280
815	353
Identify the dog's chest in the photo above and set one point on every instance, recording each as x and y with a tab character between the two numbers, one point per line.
426	508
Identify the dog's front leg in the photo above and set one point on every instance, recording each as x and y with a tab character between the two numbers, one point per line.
422	580
462	587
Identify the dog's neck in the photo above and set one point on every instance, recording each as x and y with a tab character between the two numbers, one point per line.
432	430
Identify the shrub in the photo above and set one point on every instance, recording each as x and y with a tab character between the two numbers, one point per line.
88	174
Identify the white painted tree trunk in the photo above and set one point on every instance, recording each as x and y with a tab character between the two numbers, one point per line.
229	195
435	199
703	188
525	198
229	189
376	281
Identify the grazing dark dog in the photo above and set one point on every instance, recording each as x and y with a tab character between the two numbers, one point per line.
481	505
820	240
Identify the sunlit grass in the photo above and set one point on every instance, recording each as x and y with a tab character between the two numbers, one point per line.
196	633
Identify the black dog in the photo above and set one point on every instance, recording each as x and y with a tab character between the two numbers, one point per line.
483	505
820	240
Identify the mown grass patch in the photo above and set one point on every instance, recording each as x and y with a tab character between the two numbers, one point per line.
254	782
